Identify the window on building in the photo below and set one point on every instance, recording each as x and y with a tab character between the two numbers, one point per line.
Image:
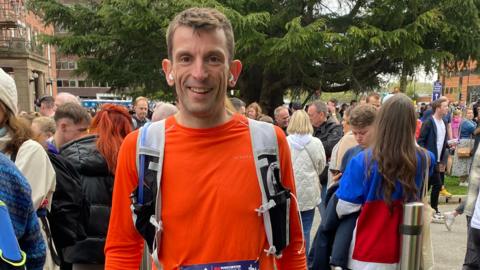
66	83
66	65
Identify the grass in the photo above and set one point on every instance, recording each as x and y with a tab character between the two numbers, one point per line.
451	184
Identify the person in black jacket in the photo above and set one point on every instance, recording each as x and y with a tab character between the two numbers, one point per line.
434	137
327	130
94	156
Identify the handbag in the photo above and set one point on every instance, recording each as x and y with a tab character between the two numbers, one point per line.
464	152
426	261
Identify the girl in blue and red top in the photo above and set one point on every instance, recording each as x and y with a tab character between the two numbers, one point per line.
378	181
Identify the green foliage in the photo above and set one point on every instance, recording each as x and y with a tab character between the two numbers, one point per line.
452	185
296	45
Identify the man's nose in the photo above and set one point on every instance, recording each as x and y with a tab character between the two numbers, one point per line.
199	71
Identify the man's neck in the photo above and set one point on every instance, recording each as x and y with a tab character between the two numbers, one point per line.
140	119
57	141
321	124
438	116
203	122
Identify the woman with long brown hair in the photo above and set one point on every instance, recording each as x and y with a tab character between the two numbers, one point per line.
379	181
28	155
95	158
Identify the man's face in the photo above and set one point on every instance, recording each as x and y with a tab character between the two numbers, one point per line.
141	109
71	131
443	108
362	135
375	102
316	118
200	70
282	118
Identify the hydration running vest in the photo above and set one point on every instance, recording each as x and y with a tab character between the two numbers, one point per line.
147	197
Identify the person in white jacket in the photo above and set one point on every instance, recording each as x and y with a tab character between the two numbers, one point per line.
28	155
308	160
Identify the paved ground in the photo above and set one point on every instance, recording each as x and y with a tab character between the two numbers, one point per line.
449	247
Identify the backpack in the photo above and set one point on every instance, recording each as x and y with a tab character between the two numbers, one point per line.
69	213
11	256
146	198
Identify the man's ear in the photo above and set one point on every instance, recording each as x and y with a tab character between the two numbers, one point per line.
167	69
63	126
235	70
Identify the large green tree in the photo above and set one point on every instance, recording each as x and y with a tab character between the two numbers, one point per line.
301	46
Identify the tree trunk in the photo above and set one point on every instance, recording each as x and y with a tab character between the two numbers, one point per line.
250	84
272	93
404	78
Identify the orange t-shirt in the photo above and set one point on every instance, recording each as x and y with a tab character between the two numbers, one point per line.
209	193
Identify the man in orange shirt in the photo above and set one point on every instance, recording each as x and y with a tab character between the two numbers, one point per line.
209	184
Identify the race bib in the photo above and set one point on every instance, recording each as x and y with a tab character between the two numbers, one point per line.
239	265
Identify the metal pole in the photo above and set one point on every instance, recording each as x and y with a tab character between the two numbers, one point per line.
411	230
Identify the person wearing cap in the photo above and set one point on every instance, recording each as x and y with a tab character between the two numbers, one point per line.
28	155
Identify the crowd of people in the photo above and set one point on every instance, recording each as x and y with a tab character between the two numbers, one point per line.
185	186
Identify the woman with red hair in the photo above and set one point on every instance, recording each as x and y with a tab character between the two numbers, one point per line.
95	158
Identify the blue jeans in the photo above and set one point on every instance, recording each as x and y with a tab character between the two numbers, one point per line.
307	220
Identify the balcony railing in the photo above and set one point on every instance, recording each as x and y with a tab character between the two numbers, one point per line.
20	45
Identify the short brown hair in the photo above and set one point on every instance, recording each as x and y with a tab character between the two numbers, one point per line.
265	118
362	116
74	112
438	103
206	19
373	95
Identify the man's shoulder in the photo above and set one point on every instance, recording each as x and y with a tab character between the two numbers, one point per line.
88	141
332	128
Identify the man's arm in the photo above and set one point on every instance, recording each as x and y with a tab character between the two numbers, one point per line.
294	254
124	246
334	135
422	139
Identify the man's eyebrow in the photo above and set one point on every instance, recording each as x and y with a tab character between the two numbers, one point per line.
181	52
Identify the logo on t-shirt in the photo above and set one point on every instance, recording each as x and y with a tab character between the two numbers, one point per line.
238	265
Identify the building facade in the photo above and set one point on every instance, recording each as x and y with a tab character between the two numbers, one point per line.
22	55
77	84
461	83
67	79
